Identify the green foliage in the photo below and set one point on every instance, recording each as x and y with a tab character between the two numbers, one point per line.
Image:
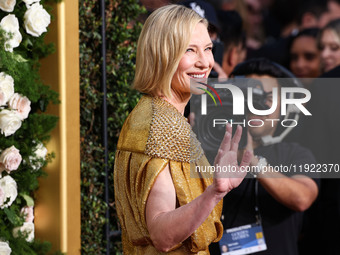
122	33
23	66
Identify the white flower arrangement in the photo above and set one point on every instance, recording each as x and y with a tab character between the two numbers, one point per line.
10	122
26	229
29	2
40	153
10	24
8	191
10	159
4	248
6	88
36	20
19	106
15	108
7	5
28	213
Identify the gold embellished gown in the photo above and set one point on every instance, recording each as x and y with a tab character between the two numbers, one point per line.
156	134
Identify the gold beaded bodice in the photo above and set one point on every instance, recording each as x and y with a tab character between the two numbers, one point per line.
171	136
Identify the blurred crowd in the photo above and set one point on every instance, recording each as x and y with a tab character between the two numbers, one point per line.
302	35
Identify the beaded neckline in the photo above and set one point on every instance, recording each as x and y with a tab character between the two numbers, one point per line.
171	136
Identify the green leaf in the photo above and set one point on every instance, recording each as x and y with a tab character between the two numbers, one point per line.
12	217
29	200
19	58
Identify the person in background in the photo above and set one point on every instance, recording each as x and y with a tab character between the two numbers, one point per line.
255	33
329	45
251	14
276	197
308	15
312	14
305	64
207	11
233	39
161	207
305	56
321	136
333	9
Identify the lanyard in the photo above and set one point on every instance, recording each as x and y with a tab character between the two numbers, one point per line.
257	207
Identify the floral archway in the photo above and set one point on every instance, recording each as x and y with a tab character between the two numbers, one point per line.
24	124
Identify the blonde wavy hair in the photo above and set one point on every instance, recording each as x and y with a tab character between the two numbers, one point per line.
334	26
161	45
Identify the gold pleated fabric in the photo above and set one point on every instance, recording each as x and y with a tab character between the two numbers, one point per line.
154	135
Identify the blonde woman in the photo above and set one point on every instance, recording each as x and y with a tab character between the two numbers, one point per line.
329	44
161	207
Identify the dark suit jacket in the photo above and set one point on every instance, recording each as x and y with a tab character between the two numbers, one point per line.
322	135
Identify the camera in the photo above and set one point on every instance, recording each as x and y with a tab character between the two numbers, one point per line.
211	115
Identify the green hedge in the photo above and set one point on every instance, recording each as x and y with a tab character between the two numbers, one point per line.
122	34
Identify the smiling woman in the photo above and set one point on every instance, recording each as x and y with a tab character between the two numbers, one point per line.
161	207
196	62
305	56
159	53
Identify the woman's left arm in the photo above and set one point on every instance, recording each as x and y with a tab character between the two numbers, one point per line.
167	225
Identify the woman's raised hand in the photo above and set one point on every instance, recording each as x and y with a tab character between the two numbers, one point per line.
228	173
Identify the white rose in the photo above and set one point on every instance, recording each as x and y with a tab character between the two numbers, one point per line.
41	151
2	196
9	188
10	159
5	249
2	98
20	103
27	211
9	122
36	20
40	154
26	229
10	24
6	87
29	2
7	6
